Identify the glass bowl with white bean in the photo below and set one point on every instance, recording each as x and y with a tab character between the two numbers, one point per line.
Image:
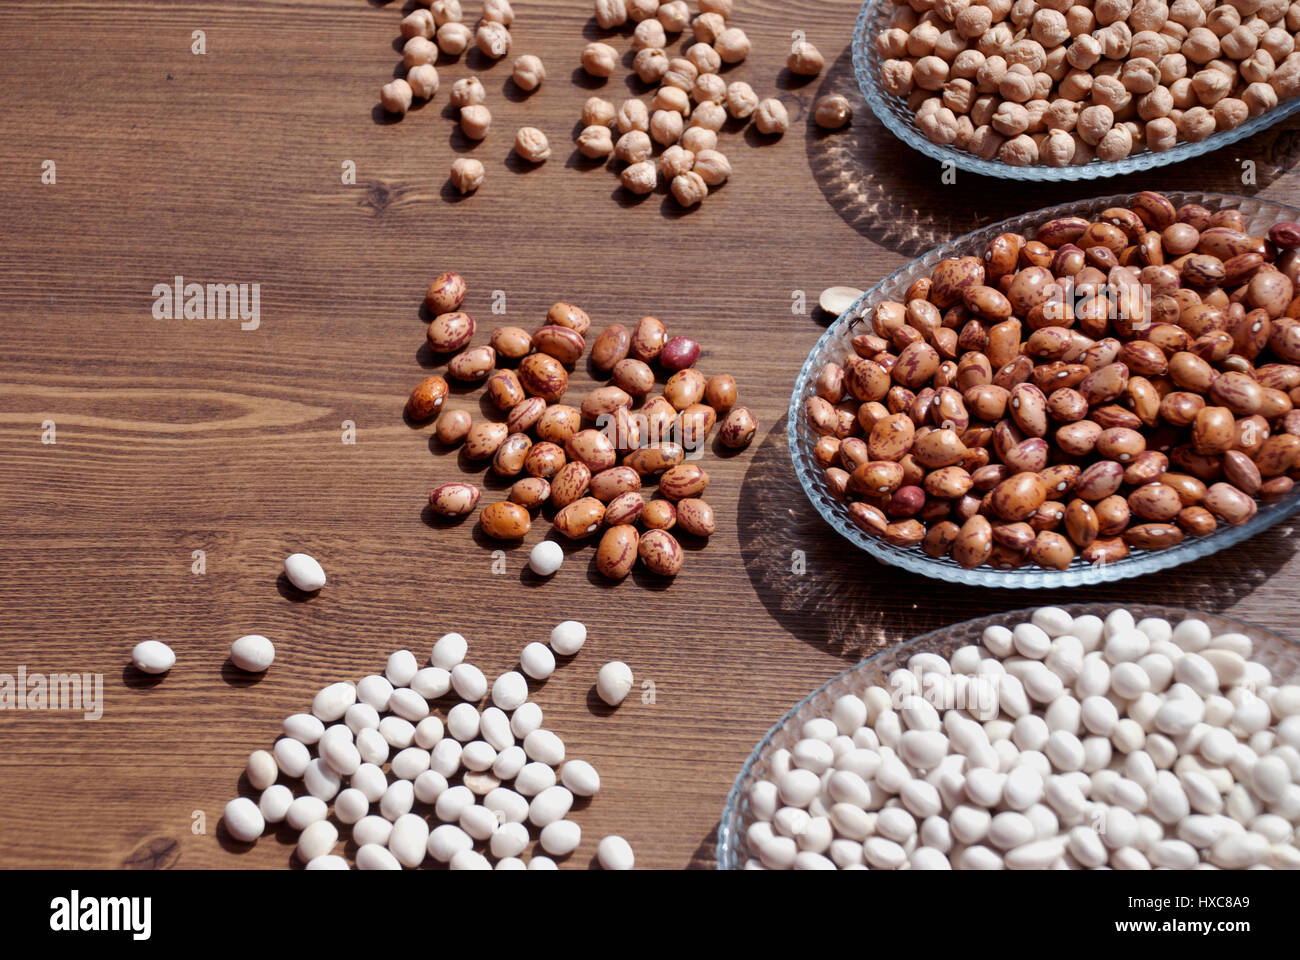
1248	107
1090	563
1058	737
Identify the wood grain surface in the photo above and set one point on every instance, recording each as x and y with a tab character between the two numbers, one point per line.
174	436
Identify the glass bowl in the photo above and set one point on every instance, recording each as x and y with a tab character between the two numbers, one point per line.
1280	655
899	120
835	344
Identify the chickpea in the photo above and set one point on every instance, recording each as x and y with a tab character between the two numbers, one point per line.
897	76
681	74
974	21
1116	144
466	91
704	58
698	139
423	79
966	64
1058	149
529	72
1183	95
633	147
1049	28
689	189
938	125
1195	124
611	13
1110	92
709	115
419	23
1173	66
1258	67
1277	43
1140	75
498	11
1230	113
805	59
709	86
650	65
958	95
1094	122
832	111
732	45
599	59
666	127
713	167
1148	15
1211	86
454	38
1011	119
1146	45
675	16
672	98
931	73
982	109
640	10
1155	104
418	50
466	174
1084	52
1259	98
1161	134
632	115
446	11
676	160
892	44
721	7
531	144
986	142
475	121
1019	151
595	142
990	73
1062	115
596	112
649	34
640	178
771	117
1016	84
396	96
1201	45
493	39
708	27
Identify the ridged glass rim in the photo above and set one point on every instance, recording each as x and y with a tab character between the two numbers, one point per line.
912	559
727	849
866	68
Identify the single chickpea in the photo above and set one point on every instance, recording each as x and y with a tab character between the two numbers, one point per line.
938	125
1148	15
709	86
1259	98
1173	66
1028	52
1240	43
1116	144
467	91
466	174
1112	11
919	101
1183	95
672	98
1016	84
599	59
771	117
454	38
666	127
1094	122
966	65
1286	79
965	131
891	44
1278	43
674	15
973	21
898	76
1211	86
986	142
709	115
632	115
633	147
1222	20
1140	75
597	112
1021	151
921	39
832	111
1175	35
958	95
1011	119
689	189
1115	40
1057	150
1049	28
990	73
1110	92
650	65
708	27
930	73
498	11
982	109
1188	13
1230	113
681	74
698	139
713	167
649	34
995	40
704	57
1161	134
475	121
396	96
1062	115
676	160
1156	104
805	59
732	45
1258	67
721	7
1022	11
640	10
529	72
418	50
493	39
1195	124
1201	45
1146	46
531	144
611	13
1037	111
446	11
595	142
640	178
423	79
1042	86
419	23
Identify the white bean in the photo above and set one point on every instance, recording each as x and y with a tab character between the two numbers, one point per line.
244	820
304	572
613	682
449	650
252	653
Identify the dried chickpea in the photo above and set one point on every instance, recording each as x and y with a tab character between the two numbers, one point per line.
640	178
419	23
771	117
418	50
1019	151
493	39
732	45
898	76
649	34
599	59
467	91
697	140
1161	134
1230	113
805	59
595	142
704	58
940	125
666	127
498	11
611	13
633	147
721	7
709	86
632	115
1058	149
708	27
674	15
676	160
709	115
650	64
423	79
931	73
1094	122
640	10
597	112
529	72
672	98
681	74
1259	97
466	174
689	189
1195	124
741	99
713	167
396	96
475	121
531	144
1116	144
832	111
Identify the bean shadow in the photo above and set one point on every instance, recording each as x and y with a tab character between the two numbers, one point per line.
705	856
284	586
235	677
826	592
136	679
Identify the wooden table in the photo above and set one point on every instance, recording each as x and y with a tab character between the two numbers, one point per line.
176	436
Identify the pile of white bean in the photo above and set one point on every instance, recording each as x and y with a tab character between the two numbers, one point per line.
1094	744
457	765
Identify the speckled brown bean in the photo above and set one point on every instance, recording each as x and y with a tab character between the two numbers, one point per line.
826	450
453	499
427	398
558	423
591	448
738	428
512	343
655	458
1081	523
1121	443
505	521
695	517
837	481
1275	487
603	401
504	390
617	552
1014	536
445	294
453	426
1147	466
472	365
1180	407
634	376
683	481
571	483
1029	409
1017	497
615	481
1153	536
483	440
915	366
1191	372
1242	472
891	437
448	332
720	392
1214	431
1104	385
625	508
951	277
508	461
679	353
1155	501
1197	521
939	539
567	315
1099	480
1066	405
563	344
1104	550
610	347
660	552
938	448
1229	504
1277	454
659	515
987	401
948	482
1051	550
1239	392
684	388
904	533
973	543
543	376
530	492
1059	478
648	339
877	477
581	518
525	414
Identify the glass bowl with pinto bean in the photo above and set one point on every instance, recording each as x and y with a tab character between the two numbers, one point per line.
1082	394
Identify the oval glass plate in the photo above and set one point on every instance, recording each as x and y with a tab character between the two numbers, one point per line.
835	344
1280	655
898	119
